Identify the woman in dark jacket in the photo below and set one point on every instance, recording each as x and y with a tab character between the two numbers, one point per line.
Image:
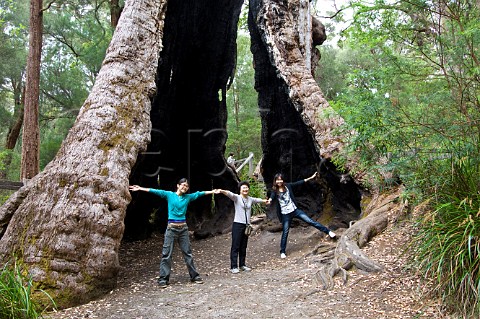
287	208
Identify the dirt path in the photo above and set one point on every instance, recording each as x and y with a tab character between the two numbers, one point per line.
275	288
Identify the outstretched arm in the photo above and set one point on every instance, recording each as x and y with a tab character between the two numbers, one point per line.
135	188
226	193
311	177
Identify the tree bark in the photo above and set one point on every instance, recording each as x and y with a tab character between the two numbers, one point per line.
277	24
66	225
31	131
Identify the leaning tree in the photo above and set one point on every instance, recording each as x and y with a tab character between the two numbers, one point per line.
157	112
66	223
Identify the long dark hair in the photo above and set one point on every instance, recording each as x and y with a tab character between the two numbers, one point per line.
274	184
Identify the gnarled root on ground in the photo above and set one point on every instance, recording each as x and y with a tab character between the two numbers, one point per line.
381	211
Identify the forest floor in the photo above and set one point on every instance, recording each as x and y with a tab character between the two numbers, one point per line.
275	288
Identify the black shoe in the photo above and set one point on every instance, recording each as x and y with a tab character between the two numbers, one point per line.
197	280
162	284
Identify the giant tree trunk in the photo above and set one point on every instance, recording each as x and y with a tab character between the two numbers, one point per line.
296	139
66	225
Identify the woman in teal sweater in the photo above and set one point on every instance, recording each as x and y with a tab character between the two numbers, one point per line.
176	229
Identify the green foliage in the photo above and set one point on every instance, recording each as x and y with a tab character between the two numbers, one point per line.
333	71
17	295
80	35
53	136
4	195
13	171
76	36
406	82
3	156
10	164
257	189
14	27
400	75
243	19
13	52
243	125
448	247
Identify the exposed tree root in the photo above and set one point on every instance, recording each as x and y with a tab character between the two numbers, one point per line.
383	210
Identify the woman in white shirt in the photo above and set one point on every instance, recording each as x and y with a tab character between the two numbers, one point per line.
243	212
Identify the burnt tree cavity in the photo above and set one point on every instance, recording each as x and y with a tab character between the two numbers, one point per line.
189	120
189	116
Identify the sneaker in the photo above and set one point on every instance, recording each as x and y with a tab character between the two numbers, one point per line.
282	255
197	280
245	268
332	234
162	284
234	270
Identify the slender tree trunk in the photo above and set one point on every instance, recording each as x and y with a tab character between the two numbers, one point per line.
31	132
236	105
115	11
14	129
66	224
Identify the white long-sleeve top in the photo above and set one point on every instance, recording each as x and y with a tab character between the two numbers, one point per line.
243	206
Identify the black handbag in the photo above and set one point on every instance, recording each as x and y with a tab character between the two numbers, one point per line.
248	229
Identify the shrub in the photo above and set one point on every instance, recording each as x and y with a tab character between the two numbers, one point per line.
447	246
16	295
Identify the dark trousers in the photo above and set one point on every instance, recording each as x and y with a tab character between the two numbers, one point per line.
239	245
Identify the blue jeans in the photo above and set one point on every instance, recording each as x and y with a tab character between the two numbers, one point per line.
286	221
239	245
181	234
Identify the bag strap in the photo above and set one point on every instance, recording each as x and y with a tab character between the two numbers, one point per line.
245	211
